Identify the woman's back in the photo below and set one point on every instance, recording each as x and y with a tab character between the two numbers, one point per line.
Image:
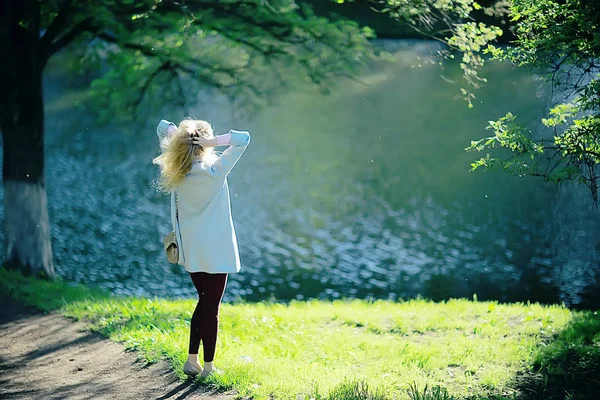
206	231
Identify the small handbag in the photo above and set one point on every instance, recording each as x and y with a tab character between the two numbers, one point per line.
170	240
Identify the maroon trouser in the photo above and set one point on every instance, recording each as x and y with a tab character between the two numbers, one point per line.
205	320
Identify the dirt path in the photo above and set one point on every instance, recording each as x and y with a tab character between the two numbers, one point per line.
51	357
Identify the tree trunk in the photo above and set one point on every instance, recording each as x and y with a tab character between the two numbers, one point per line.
26	223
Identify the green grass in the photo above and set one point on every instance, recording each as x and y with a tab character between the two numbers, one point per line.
346	350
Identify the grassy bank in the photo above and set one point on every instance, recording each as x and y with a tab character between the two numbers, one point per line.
353	349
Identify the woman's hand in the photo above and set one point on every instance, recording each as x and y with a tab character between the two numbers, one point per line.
200	140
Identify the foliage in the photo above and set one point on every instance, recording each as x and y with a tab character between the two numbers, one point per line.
46	295
347	349
352	390
454	23
172	50
249	50
561	40
435	393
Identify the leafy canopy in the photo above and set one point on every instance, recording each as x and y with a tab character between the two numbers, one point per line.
247	49
561	40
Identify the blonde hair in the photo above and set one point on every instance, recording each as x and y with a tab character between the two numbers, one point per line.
179	153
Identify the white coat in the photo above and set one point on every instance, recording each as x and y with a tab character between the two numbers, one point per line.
205	232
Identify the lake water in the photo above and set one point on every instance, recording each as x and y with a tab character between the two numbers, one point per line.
362	193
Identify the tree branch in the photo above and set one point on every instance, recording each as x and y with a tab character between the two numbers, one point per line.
266	52
163	67
181	92
57	24
64	40
149	52
107	37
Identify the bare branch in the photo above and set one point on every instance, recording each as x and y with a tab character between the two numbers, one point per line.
148	51
181	92
57	25
84	26
163	67
107	37
270	50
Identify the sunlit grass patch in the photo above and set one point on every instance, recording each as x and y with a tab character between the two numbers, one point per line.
342	349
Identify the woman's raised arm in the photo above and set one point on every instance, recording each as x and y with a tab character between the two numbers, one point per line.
237	142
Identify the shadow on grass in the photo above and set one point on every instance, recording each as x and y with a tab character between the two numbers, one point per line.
565	367
568	364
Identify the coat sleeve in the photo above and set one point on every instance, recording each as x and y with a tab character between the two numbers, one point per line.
164	129
238	141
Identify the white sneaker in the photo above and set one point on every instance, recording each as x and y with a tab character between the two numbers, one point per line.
214	371
191	369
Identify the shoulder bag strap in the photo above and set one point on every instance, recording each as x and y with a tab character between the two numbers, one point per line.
177	208
178	233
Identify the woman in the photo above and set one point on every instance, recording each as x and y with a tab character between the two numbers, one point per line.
201	215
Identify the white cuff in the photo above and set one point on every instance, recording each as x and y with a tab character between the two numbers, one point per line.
223	140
